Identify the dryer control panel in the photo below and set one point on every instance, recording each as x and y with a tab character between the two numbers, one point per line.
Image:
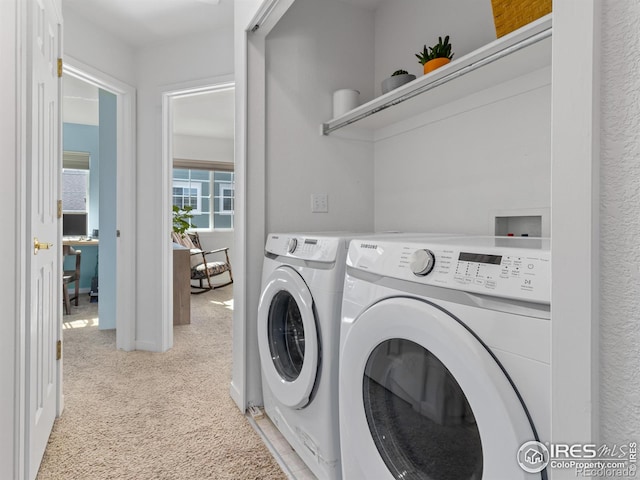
303	247
507	267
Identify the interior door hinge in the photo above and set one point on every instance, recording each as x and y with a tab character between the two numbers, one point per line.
59	67
59	208
59	350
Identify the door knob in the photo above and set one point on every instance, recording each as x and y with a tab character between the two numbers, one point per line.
37	246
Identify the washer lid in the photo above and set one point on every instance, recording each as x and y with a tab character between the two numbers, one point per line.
287	337
413	382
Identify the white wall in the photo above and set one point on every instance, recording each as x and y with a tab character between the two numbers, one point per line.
467	160
403	27
306	62
91	45
162	68
620	224
458	164
203	148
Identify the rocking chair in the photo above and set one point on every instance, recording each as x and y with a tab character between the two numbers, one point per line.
203	268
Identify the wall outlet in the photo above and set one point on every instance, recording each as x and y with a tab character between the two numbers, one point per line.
319	203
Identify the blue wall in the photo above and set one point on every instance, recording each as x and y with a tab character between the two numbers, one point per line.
88	262
108	210
100	142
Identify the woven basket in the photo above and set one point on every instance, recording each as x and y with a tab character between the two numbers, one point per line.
509	15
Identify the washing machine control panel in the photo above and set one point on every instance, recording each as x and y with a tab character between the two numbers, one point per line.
319	249
516	272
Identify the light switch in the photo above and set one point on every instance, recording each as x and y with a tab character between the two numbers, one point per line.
319	203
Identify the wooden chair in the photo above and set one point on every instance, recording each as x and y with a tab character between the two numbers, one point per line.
71	276
202	267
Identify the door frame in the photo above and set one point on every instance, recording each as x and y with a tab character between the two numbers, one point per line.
126	185
253	22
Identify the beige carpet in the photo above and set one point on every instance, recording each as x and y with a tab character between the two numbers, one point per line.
141	415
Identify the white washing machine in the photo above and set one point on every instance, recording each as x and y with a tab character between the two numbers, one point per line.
298	337
444	358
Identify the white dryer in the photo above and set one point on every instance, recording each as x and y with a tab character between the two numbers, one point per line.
444	358
298	337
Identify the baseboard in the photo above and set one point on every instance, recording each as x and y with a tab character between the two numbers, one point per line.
236	396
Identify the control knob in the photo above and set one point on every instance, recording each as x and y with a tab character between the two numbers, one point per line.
421	262
293	244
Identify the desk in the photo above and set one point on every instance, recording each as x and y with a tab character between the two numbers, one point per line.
181	285
94	242
88	267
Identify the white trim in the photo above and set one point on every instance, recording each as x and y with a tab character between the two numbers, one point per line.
126	181
267	16
12	191
166	221
575	224
237	386
245	388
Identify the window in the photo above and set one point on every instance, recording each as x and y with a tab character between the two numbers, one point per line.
75	182
226	199
188	194
75	186
224	203
209	192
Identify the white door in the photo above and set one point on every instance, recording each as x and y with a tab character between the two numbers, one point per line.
44	292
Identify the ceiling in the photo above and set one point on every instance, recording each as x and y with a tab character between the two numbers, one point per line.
208	114
370	4
142	23
205	114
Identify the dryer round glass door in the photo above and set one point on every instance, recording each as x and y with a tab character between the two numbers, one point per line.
287	338
414	405
285	331
422	398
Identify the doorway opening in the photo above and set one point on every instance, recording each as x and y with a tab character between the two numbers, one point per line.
199	159
112	230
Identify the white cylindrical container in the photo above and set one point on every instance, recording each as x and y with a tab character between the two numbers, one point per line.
344	100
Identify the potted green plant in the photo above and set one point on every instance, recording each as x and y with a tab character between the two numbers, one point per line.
397	78
181	219
436	56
